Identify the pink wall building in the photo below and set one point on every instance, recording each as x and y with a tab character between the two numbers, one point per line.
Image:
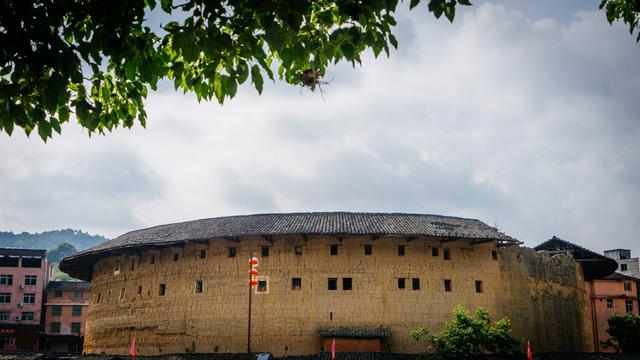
24	274
66	310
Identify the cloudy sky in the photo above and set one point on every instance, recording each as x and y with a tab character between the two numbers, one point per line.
525	116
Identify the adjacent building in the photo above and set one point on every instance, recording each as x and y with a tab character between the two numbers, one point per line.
366	279
626	264
24	274
616	293
66	310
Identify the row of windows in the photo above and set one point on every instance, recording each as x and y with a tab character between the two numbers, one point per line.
27	261
28	298
29	280
628	305
76	310
296	284
75	327
26	315
264	252
76	293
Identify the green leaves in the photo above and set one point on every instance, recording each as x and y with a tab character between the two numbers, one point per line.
256	78
627	11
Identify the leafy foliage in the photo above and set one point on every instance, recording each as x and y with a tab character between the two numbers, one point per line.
469	337
98	58
59	252
627	11
625	331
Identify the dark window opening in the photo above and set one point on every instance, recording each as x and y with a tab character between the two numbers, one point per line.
123	291
415	284
333	284
346	284
434	251
162	289
447	285
333	249
609	304
446	254
232	251
400	250
623	267
199	286
57	293
298	250
29	298
153	259
98	299
262	285
5	298
368	249
133	264
401	283
628	304
478	286
627	286
30	280
296	283
6	280
34	262
176	257
139	290
75	328
494	255
55	327
330	315
9	261
203	254
265	251
76	310
56	310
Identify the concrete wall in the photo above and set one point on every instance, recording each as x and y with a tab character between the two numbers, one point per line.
66	301
544	296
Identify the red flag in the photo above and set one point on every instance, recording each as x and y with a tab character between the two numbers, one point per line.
333	349
133	352
529	354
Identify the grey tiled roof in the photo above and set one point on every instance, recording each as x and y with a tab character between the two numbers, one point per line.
363	332
68	285
326	223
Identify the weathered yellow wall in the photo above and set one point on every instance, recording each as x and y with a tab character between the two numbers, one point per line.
543	296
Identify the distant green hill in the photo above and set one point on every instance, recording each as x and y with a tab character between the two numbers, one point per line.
49	239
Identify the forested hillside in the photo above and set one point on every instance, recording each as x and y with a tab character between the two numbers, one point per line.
49	239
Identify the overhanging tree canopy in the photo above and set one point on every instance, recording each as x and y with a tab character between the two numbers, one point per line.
98	58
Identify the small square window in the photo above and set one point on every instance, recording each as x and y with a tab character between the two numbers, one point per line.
77	294
494	255
296	283
199	286
628	304
368	250
332	284
57	293
415	284
400	250
627	286
28	316
609	303
478	286
262	286
75	327
333	249
447	285
446	254
153	259
76	310
401	283
232	251
29	298
265	251
297	250
623	267
56	310
162	289
6	280
30	280
434	251
346	284
55	327
203	253
176	257
4	315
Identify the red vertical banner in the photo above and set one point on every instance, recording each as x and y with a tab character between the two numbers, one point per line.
529	354
333	349
133	352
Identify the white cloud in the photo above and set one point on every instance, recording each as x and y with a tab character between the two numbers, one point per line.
530	123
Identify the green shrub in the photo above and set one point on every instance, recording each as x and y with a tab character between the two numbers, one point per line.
625	331
468	337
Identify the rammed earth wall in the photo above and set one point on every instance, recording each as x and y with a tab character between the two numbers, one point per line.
543	296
